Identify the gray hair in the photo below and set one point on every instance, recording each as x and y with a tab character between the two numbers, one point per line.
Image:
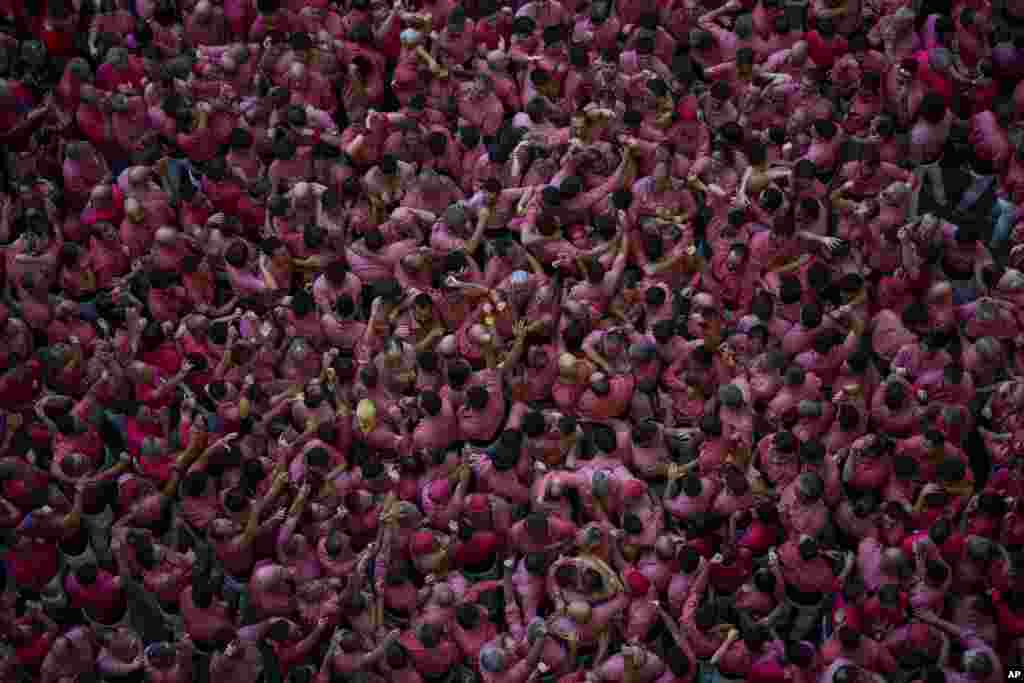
455	215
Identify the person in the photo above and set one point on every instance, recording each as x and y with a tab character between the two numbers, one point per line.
313	310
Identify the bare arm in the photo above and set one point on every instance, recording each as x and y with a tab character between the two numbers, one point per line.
724	647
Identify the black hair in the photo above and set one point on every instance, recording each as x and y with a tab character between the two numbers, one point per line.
458	374
811	316
764	581
431	402
631	523
87	573
895	395
566	575
317	457
772	198
535	563
933	108
711	425
533	423
388	164
677	661
808	548
467	615
537	524
790	289
689	559
784	442
706	616
567	425
692	486
477	397
663	330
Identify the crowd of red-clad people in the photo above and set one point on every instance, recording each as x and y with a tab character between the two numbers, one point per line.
557	341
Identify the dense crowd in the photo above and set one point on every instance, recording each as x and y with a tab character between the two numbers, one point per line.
558	341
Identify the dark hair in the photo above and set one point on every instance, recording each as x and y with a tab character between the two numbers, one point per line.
373	239
933	108
689	559
848	636
706	616
194	484
764	581
622	198
895	395
805	169
940	531
631	523
317	457
677	661
87	574
477	397
458	374
467	615
388	164
523	26
711	425
431	402
772	198
721	91
692	486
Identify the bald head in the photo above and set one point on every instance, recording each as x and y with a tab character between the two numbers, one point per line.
798	53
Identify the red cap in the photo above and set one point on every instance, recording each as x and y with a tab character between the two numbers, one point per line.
633	488
637	583
440	491
421	543
477	504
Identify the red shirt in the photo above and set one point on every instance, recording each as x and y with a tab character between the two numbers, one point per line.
18	391
728	578
824	52
936	83
1011	624
9	118
478	549
31	655
759	537
224	195
875	613
102	600
34	567
24	491
432	662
